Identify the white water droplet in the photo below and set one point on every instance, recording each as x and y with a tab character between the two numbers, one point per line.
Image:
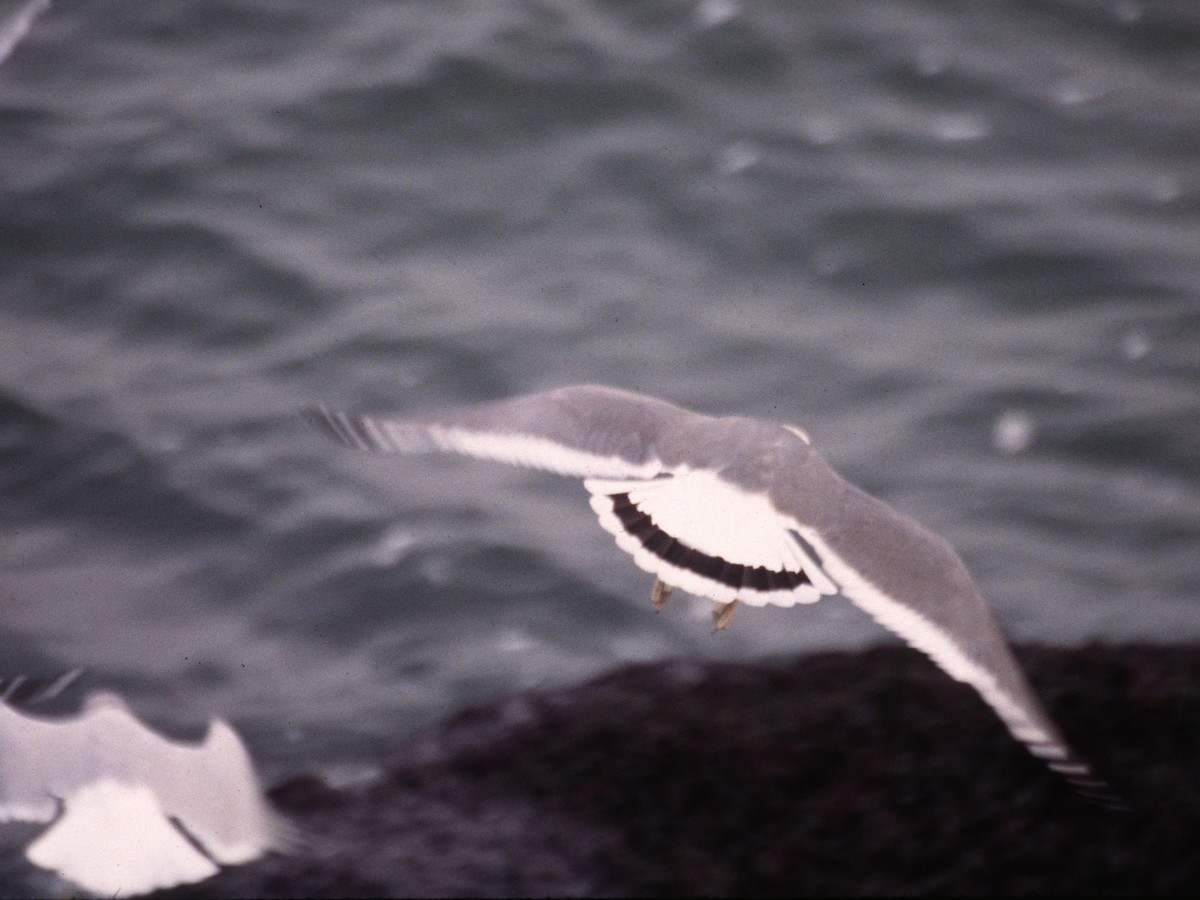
514	641
711	13
822	129
1013	432
392	546
1164	188
1136	344
737	157
960	127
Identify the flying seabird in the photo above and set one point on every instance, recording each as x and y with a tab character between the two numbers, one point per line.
130	810
742	510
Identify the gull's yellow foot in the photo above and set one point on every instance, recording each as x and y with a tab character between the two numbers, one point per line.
722	613
659	594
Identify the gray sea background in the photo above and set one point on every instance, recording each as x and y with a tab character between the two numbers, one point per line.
958	243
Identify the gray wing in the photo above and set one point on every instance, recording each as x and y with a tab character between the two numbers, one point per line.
913	583
708	529
212	791
586	431
210	788
27	746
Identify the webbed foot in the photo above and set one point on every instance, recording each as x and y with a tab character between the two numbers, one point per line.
721	614
659	594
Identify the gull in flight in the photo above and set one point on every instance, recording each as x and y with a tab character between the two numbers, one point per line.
131	811
741	510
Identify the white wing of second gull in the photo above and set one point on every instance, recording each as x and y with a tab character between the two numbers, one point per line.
735	509
131	811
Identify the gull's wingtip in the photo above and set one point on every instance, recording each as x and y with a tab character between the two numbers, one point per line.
23	691
1096	791
331	423
315	414
285	837
369	432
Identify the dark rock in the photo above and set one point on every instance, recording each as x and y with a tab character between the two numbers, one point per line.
839	773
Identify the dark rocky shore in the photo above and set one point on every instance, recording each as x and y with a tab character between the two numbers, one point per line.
840	773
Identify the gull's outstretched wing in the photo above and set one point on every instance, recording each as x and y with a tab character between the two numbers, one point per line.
211	790
582	431
684	494
106	766
912	582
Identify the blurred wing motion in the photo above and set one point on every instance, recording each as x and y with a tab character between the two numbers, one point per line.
130	810
737	509
23	691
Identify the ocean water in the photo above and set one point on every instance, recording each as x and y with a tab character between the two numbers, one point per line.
958	243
